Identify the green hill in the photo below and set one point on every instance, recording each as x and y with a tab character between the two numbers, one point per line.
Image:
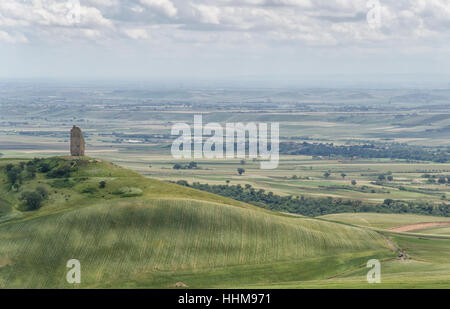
130	231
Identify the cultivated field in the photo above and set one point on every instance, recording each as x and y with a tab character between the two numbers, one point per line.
148	240
130	227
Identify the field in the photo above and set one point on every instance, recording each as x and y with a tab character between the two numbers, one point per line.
155	239
130	227
383	221
132	126
149	234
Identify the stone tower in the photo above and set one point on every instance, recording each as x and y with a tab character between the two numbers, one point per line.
77	146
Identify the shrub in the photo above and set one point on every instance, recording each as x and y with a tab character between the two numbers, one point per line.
43	192
14	176
31	200
60	172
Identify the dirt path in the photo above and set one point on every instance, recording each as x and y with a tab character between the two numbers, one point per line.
418	226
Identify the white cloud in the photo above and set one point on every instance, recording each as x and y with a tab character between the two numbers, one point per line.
318	22
165	6
137	34
18	38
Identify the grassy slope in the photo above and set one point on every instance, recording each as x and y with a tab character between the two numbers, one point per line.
167	234
428	266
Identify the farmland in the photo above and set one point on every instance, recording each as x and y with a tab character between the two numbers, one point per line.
119	212
131	127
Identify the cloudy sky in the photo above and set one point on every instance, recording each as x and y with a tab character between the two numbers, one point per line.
223	39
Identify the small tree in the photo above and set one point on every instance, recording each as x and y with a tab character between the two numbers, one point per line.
442	180
240	171
177	166
102	184
390	178
343	175
9	167
14	175
381	177
31	171
354	182
388	201
327	174
31	200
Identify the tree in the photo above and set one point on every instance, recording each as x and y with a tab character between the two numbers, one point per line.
31	200
240	171
343	175
31	171
390	178
381	177
227	181
442	180
354	182
44	167
9	167
14	175
177	166
192	165
102	184
388	201
327	174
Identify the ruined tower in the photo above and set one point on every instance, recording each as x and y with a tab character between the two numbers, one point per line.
77	146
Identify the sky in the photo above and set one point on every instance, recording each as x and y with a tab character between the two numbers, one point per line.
259	40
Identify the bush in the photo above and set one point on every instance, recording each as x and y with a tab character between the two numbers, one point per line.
14	175
31	200
102	184
60	172
177	166
43	192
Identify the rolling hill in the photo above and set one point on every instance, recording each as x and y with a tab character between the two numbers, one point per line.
129	231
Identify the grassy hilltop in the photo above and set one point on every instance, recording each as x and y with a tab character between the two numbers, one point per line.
131	231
